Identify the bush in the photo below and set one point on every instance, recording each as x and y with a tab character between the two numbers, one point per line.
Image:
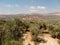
58	35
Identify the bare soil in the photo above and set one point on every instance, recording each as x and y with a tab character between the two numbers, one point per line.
47	37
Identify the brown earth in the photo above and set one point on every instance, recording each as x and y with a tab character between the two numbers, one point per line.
47	37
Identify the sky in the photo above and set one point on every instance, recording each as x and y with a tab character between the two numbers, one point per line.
29	6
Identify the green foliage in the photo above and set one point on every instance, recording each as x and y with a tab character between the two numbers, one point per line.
13	42
7	31
11	31
35	32
43	25
54	30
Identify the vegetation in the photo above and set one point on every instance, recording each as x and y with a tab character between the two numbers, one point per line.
11	31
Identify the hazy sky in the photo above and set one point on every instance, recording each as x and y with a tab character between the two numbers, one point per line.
29	6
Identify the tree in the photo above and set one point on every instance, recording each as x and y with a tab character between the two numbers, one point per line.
2	32
35	33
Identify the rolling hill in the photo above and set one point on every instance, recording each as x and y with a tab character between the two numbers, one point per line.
34	16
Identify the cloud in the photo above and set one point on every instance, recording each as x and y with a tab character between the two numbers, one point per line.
32	9
10	9
41	7
12	6
37	9
14	9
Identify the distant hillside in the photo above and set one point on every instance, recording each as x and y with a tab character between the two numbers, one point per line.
55	13
44	17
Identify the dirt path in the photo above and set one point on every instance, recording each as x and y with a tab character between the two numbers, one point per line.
50	40
28	39
47	37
